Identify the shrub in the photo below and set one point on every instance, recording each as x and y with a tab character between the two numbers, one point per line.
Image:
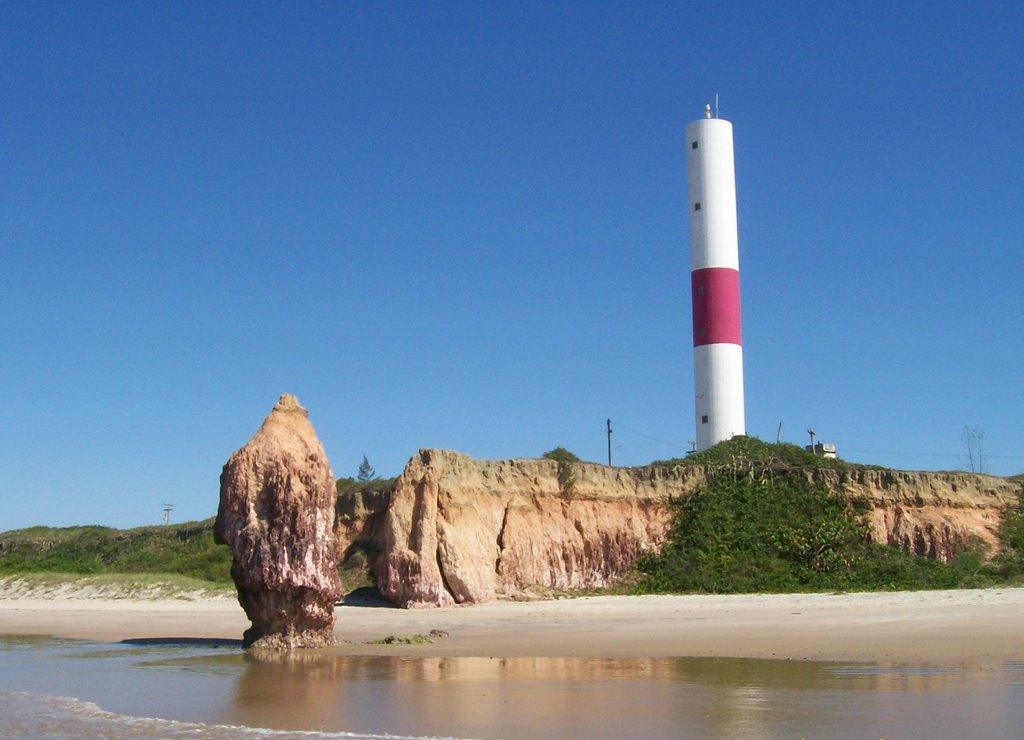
745	452
784	533
346	486
1009	564
187	549
566	474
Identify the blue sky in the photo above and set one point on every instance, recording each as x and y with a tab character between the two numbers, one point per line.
464	226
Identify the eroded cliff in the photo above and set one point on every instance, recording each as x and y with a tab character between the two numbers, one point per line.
931	514
459	530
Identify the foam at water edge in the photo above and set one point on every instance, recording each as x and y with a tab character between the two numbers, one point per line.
34	715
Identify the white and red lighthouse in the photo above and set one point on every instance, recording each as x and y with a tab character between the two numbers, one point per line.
715	281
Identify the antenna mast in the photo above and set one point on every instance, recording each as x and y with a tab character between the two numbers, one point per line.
168	508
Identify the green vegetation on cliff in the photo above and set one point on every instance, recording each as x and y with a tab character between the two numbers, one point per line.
349	486
1010	562
741	452
566	474
760	525
184	549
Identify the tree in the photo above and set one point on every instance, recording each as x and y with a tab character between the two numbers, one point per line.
561	454
366	471
972	438
566	475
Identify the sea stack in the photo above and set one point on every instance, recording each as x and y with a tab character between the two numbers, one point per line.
277	510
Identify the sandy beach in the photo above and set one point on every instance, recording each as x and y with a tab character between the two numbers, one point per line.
934	626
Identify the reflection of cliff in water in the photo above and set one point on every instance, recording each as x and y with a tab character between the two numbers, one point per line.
488	697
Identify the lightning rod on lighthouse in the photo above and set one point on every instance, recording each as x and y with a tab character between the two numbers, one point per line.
715	281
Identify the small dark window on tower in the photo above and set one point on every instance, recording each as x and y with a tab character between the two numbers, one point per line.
693	145
696	206
704	419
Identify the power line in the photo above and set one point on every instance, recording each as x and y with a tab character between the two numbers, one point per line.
988	456
622	453
928	454
620	425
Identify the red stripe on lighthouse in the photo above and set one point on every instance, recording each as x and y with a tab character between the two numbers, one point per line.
716	306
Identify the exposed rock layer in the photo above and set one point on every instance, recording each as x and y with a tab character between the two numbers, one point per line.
934	515
277	509
458	530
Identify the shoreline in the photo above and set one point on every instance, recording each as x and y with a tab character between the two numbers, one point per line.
943	627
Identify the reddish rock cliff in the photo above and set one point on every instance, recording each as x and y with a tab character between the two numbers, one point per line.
934	515
277	509
458	530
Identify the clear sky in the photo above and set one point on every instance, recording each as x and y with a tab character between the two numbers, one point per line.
465	226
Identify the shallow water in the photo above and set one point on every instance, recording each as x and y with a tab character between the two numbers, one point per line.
51	687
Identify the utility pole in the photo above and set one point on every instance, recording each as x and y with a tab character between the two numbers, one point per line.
811	432
168	508
609	443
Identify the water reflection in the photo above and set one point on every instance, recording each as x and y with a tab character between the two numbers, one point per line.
522	697
707	697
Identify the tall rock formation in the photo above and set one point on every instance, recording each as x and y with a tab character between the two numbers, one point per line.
277	509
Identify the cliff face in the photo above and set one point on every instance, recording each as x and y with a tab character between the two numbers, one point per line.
458	530
934	515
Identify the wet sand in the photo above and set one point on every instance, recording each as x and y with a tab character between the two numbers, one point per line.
935	626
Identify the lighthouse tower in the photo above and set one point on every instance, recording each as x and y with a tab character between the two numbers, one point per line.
715	281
